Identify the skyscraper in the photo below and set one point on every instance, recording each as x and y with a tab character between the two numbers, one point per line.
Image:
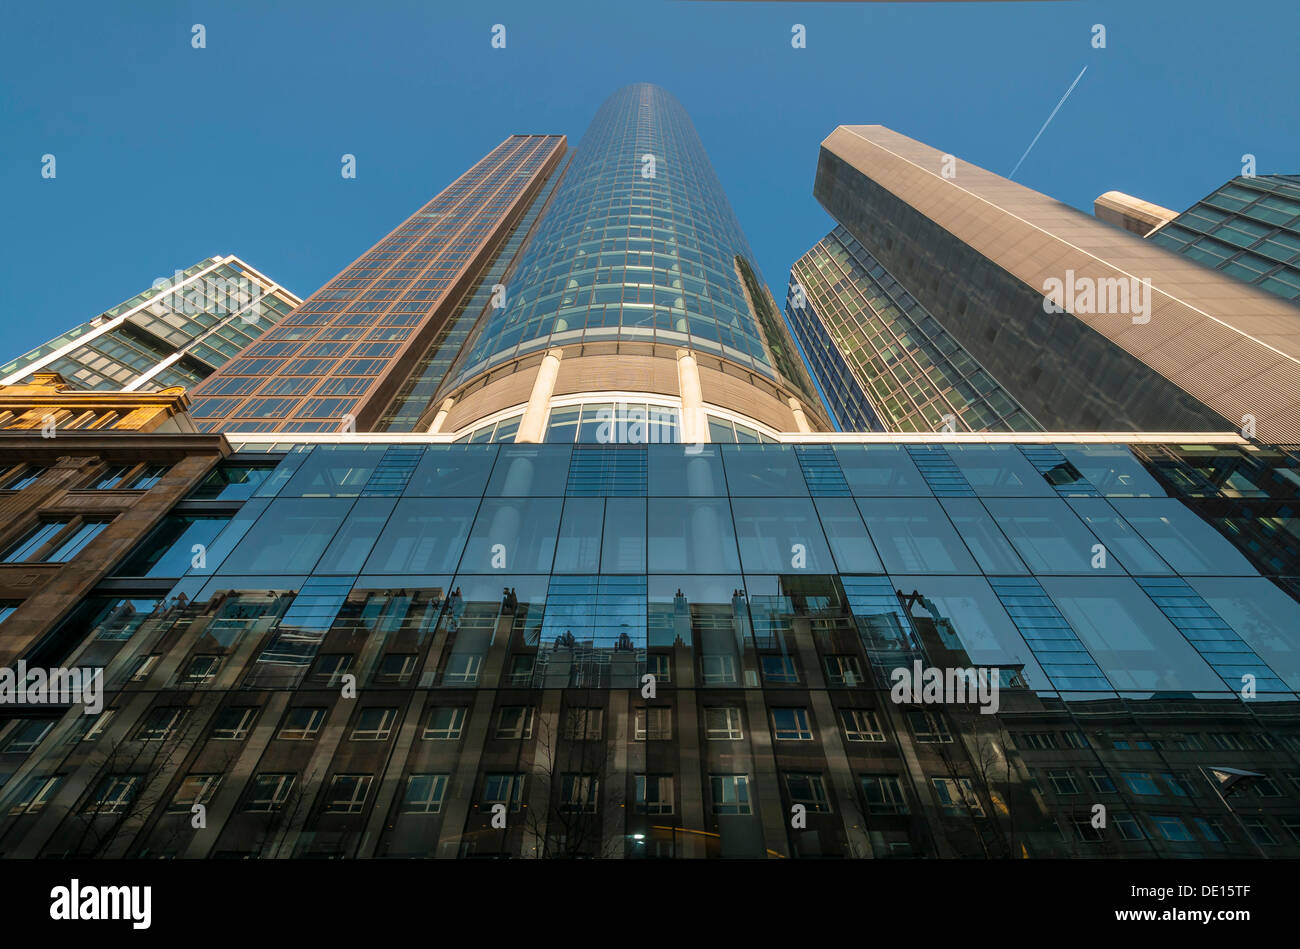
176	333
636	281
553	620
1086	326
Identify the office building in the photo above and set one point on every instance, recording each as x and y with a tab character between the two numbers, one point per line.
173	334
1085	326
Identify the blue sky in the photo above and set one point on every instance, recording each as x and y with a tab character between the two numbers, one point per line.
168	154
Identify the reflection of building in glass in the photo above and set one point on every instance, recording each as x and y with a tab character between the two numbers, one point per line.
173	334
500	606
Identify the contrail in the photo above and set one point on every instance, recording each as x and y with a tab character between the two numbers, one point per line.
1048	122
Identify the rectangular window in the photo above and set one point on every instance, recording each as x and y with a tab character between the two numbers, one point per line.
883	794
267	793
114	794
202	669
730	793
233	723
718	670
723	723
347	794
809	790
374	724
1127	825
195	789
515	722
928	726
844	670
957	797
1171	828
1139	782
1101	781
1063	781
147	478
505	789
161	724
35	794
36	538
583	724
27	734
1035	741
653	723
302	724
578	793
654	794
861	724
424	793
446	723
780	669
72	544
791	724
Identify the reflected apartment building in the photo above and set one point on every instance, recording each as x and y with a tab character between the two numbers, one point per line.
527	536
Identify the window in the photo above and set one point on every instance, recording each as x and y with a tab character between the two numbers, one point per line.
1127	826
31	542
147	478
1035	741
72	544
1139	782
27	734
1063	781
267	793
1171	828
90	727
231	483
844	670
331	668
861	724
424	793
1259	832
791	724
780	669
660	666
35	794
7	609
1227	741
302	724
1265	787
515	722
722	723
1084	829
883	794
462	669
928	726
730	793
718	670
578	793
1292	826
232	723
111	478
502	789
202	669
957	797
395	667
374	724
809	790
445	723
161	723
1180	784
114	794
583	723
1076	739
653	723
1212	830
195	789
654	794
27	475
1101	781
521	670
347	794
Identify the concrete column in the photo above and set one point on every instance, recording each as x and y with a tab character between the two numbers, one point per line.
441	416
532	425
800	420
695	427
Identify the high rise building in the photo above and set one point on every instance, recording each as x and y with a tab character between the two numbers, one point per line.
1085	326
882	360
1249	228
173	334
536	612
627	289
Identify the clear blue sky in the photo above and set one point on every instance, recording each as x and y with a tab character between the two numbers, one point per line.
167	154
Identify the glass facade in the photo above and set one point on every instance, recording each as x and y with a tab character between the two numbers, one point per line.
881	359
341	356
408	649
176	333
640	244
1249	228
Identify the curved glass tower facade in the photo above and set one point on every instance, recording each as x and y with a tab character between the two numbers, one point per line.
640	244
